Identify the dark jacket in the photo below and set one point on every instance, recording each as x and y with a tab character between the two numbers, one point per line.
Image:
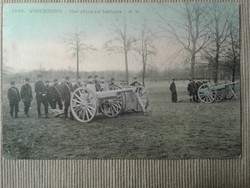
55	92
40	88
13	95
66	89
77	85
26	92
172	87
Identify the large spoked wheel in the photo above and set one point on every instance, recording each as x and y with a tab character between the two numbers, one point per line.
220	95
115	87
143	94
83	104
206	93
112	107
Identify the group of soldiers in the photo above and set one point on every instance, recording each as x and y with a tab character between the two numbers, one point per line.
49	95
192	89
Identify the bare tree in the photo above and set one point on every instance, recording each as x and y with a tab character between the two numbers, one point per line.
232	54
121	43
75	44
219	33
191	32
144	47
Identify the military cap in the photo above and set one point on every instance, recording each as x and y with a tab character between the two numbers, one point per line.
102	77
90	77
112	79
27	79
55	80
40	76
12	82
47	81
96	76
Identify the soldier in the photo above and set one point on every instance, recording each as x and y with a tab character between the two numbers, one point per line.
112	84
173	91
103	85
78	83
41	97
90	80
194	91
14	99
26	96
55	95
47	92
97	83
189	88
66	89
135	82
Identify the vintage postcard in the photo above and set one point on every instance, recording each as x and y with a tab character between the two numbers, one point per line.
121	81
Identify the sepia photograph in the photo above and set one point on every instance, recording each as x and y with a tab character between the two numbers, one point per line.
121	81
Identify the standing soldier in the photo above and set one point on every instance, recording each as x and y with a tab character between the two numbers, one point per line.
173	91
26	96
66	89
97	83
78	83
14	99
112	84
103	84
190	90
90	80
47	92
41	97
55	95
194	91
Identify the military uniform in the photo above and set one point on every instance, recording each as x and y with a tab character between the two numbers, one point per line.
97	85
26	96
14	99
41	97
173	91
77	85
66	89
55	96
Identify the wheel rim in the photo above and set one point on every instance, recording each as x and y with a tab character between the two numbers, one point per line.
220	95
206	93
115	87
112	107
83	104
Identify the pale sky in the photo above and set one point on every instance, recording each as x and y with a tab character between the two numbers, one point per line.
32	38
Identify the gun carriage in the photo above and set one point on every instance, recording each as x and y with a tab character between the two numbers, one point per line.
209	93
86	102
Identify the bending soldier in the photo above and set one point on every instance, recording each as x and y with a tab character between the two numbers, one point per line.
173	91
66	89
26	96
14	99
41	97
190	91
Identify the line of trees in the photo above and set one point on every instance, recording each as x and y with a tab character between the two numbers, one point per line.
206	32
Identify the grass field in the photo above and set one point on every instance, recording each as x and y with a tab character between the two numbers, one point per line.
172	130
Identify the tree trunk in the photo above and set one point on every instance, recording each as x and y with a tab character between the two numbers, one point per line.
143	73
192	65
77	65
216	68
126	65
